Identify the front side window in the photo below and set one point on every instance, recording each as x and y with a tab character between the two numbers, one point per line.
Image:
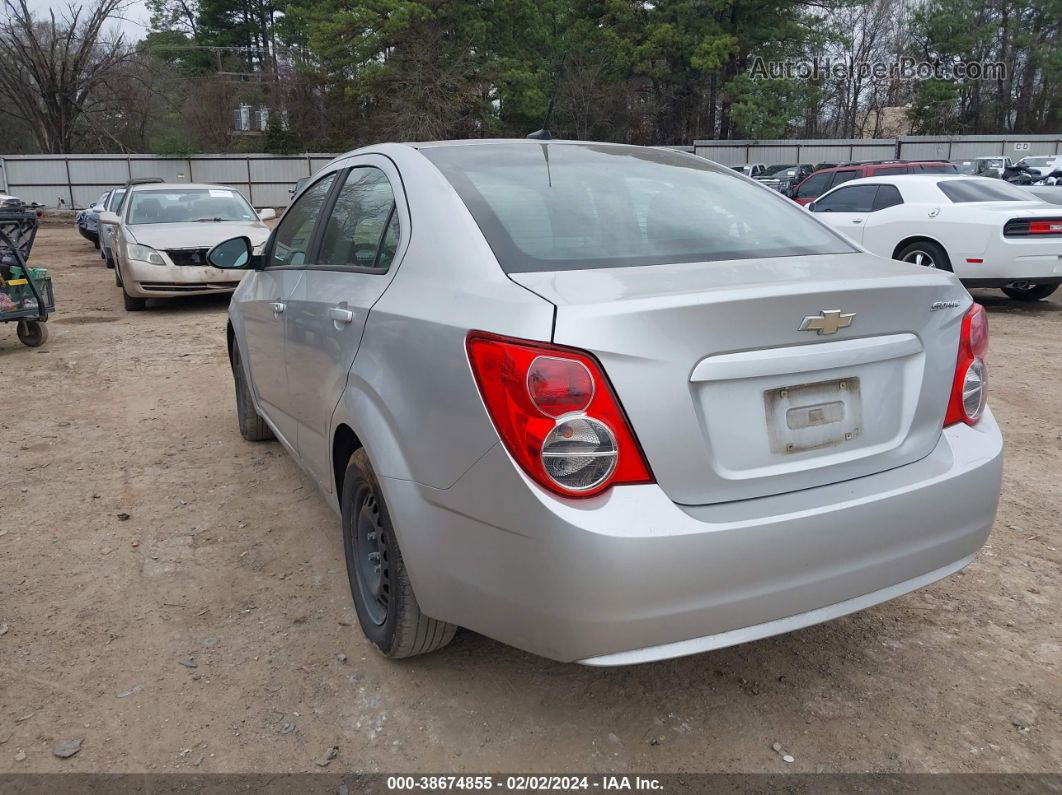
548	207
359	222
964	191
292	238
188	205
114	203
854	199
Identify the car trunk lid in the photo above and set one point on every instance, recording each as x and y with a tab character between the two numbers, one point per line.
731	400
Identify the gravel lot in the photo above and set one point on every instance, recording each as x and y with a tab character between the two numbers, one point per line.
175	597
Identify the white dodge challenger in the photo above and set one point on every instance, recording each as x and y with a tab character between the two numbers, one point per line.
989	233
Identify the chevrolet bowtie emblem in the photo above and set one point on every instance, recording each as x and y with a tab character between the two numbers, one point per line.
827	321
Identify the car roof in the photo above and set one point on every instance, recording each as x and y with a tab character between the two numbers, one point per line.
164	186
910	179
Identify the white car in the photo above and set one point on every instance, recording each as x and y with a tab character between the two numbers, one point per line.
1042	164
162	232
988	232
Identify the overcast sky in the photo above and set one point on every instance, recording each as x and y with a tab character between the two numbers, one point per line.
133	24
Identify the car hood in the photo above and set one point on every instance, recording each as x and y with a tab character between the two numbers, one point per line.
197	235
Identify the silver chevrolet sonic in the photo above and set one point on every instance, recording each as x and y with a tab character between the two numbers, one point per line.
609	404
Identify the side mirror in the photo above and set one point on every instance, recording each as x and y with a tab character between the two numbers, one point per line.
109	218
231	254
268	214
811	207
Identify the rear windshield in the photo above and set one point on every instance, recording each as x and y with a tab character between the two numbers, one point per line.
184	205
962	191
548	207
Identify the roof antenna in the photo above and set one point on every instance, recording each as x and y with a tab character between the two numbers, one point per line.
544	133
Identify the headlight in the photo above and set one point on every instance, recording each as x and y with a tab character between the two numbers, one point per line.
144	254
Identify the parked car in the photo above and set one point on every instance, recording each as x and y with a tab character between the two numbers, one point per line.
751	169
88	220
112	205
821	181
987	232
162	234
783	177
1042	164
10	202
298	186
606	403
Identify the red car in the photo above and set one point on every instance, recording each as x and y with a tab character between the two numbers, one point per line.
816	184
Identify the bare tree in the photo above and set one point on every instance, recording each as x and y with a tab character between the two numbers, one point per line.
52	70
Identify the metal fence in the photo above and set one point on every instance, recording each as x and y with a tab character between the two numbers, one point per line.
75	181
812	151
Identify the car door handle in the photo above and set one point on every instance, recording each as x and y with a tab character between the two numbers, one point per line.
278	308
857	220
340	315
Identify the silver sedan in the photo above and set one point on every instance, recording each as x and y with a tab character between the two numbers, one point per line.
609	404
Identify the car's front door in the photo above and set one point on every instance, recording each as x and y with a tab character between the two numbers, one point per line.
263	305
846	209
361	242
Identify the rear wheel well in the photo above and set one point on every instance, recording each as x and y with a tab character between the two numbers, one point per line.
919	239
344	443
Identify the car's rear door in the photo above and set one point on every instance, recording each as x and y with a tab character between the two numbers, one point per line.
361	240
263	305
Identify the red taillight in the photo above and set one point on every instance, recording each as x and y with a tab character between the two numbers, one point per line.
969	387
557	415
1045	227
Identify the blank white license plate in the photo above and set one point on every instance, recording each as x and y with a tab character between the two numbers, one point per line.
813	416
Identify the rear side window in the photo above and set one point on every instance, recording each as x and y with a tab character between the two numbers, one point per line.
962	191
548	207
888	196
943	168
814	186
855	199
356	226
891	171
843	176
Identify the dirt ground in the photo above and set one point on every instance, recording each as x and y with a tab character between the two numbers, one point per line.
211	630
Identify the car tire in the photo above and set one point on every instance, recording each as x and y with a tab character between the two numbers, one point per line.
133	304
925	253
1034	292
252	427
387	609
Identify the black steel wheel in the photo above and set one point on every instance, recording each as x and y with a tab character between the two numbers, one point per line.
387	608
373	576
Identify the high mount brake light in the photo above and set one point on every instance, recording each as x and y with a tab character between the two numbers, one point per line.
969	389
556	414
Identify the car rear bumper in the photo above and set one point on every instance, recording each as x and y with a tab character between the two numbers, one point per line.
143	280
630	576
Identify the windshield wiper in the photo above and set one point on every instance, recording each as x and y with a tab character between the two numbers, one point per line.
208	220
